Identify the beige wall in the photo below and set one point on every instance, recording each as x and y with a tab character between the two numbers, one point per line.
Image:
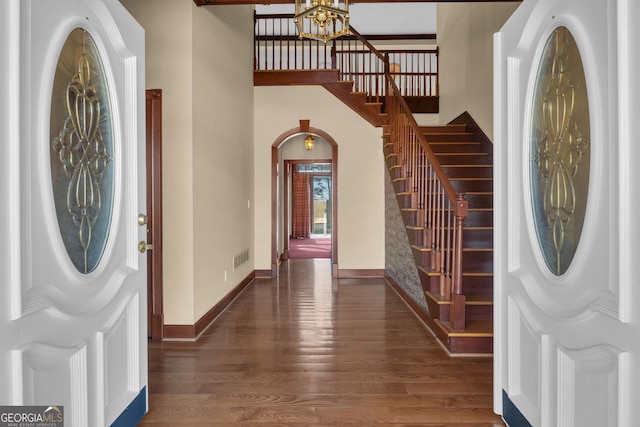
465	39
360	170
201	58
222	149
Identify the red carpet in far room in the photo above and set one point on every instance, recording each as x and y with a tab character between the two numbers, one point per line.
310	248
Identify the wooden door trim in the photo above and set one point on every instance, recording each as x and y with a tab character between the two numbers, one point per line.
154	212
303	128
288	165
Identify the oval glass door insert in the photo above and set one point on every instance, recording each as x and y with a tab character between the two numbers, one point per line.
81	150
560	150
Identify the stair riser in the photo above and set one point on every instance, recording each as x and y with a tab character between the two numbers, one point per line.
395	172
473	219
443	129
470	284
479	201
468	172
455	147
463	186
391	158
473	238
435	310
477	284
410	217
481	213
473	262
478	238
448	137
477	261
479	219
429	283
463	159
399	185
479	313
473	313
404	200
418	257
478	345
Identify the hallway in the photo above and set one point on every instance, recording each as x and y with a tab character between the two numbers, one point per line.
306	350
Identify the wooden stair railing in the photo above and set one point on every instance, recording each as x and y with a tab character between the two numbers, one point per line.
439	211
278	48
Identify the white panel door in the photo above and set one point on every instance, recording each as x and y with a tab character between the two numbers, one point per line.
567	341
72	170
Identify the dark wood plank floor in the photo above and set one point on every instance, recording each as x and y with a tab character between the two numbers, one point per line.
306	350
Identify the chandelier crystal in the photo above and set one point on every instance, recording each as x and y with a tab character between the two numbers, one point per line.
322	19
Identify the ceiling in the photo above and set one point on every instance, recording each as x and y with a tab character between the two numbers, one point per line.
215	2
370	17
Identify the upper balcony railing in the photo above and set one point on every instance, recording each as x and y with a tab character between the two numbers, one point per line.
278	47
389	77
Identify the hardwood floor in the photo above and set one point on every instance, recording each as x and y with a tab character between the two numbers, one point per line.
306	350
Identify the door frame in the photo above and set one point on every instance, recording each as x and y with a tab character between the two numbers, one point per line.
566	347
155	313
288	165
70	337
275	173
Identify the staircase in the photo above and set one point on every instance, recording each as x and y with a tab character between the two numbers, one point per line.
442	177
466	156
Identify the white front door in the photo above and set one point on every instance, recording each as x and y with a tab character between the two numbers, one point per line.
567	347
72	171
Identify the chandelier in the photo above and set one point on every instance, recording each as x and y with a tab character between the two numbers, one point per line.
322	19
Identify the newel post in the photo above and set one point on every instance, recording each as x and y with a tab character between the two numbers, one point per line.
334	60
458	300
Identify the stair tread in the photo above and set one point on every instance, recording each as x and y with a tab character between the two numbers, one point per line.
448	133
464	227
454	142
430	272
471	298
472	329
462	153
423	248
467	166
470	208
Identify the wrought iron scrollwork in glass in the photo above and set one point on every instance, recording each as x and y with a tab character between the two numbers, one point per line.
560	150
82	151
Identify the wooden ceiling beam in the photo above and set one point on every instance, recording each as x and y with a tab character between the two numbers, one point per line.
222	2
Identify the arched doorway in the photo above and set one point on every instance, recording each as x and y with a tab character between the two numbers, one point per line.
279	233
